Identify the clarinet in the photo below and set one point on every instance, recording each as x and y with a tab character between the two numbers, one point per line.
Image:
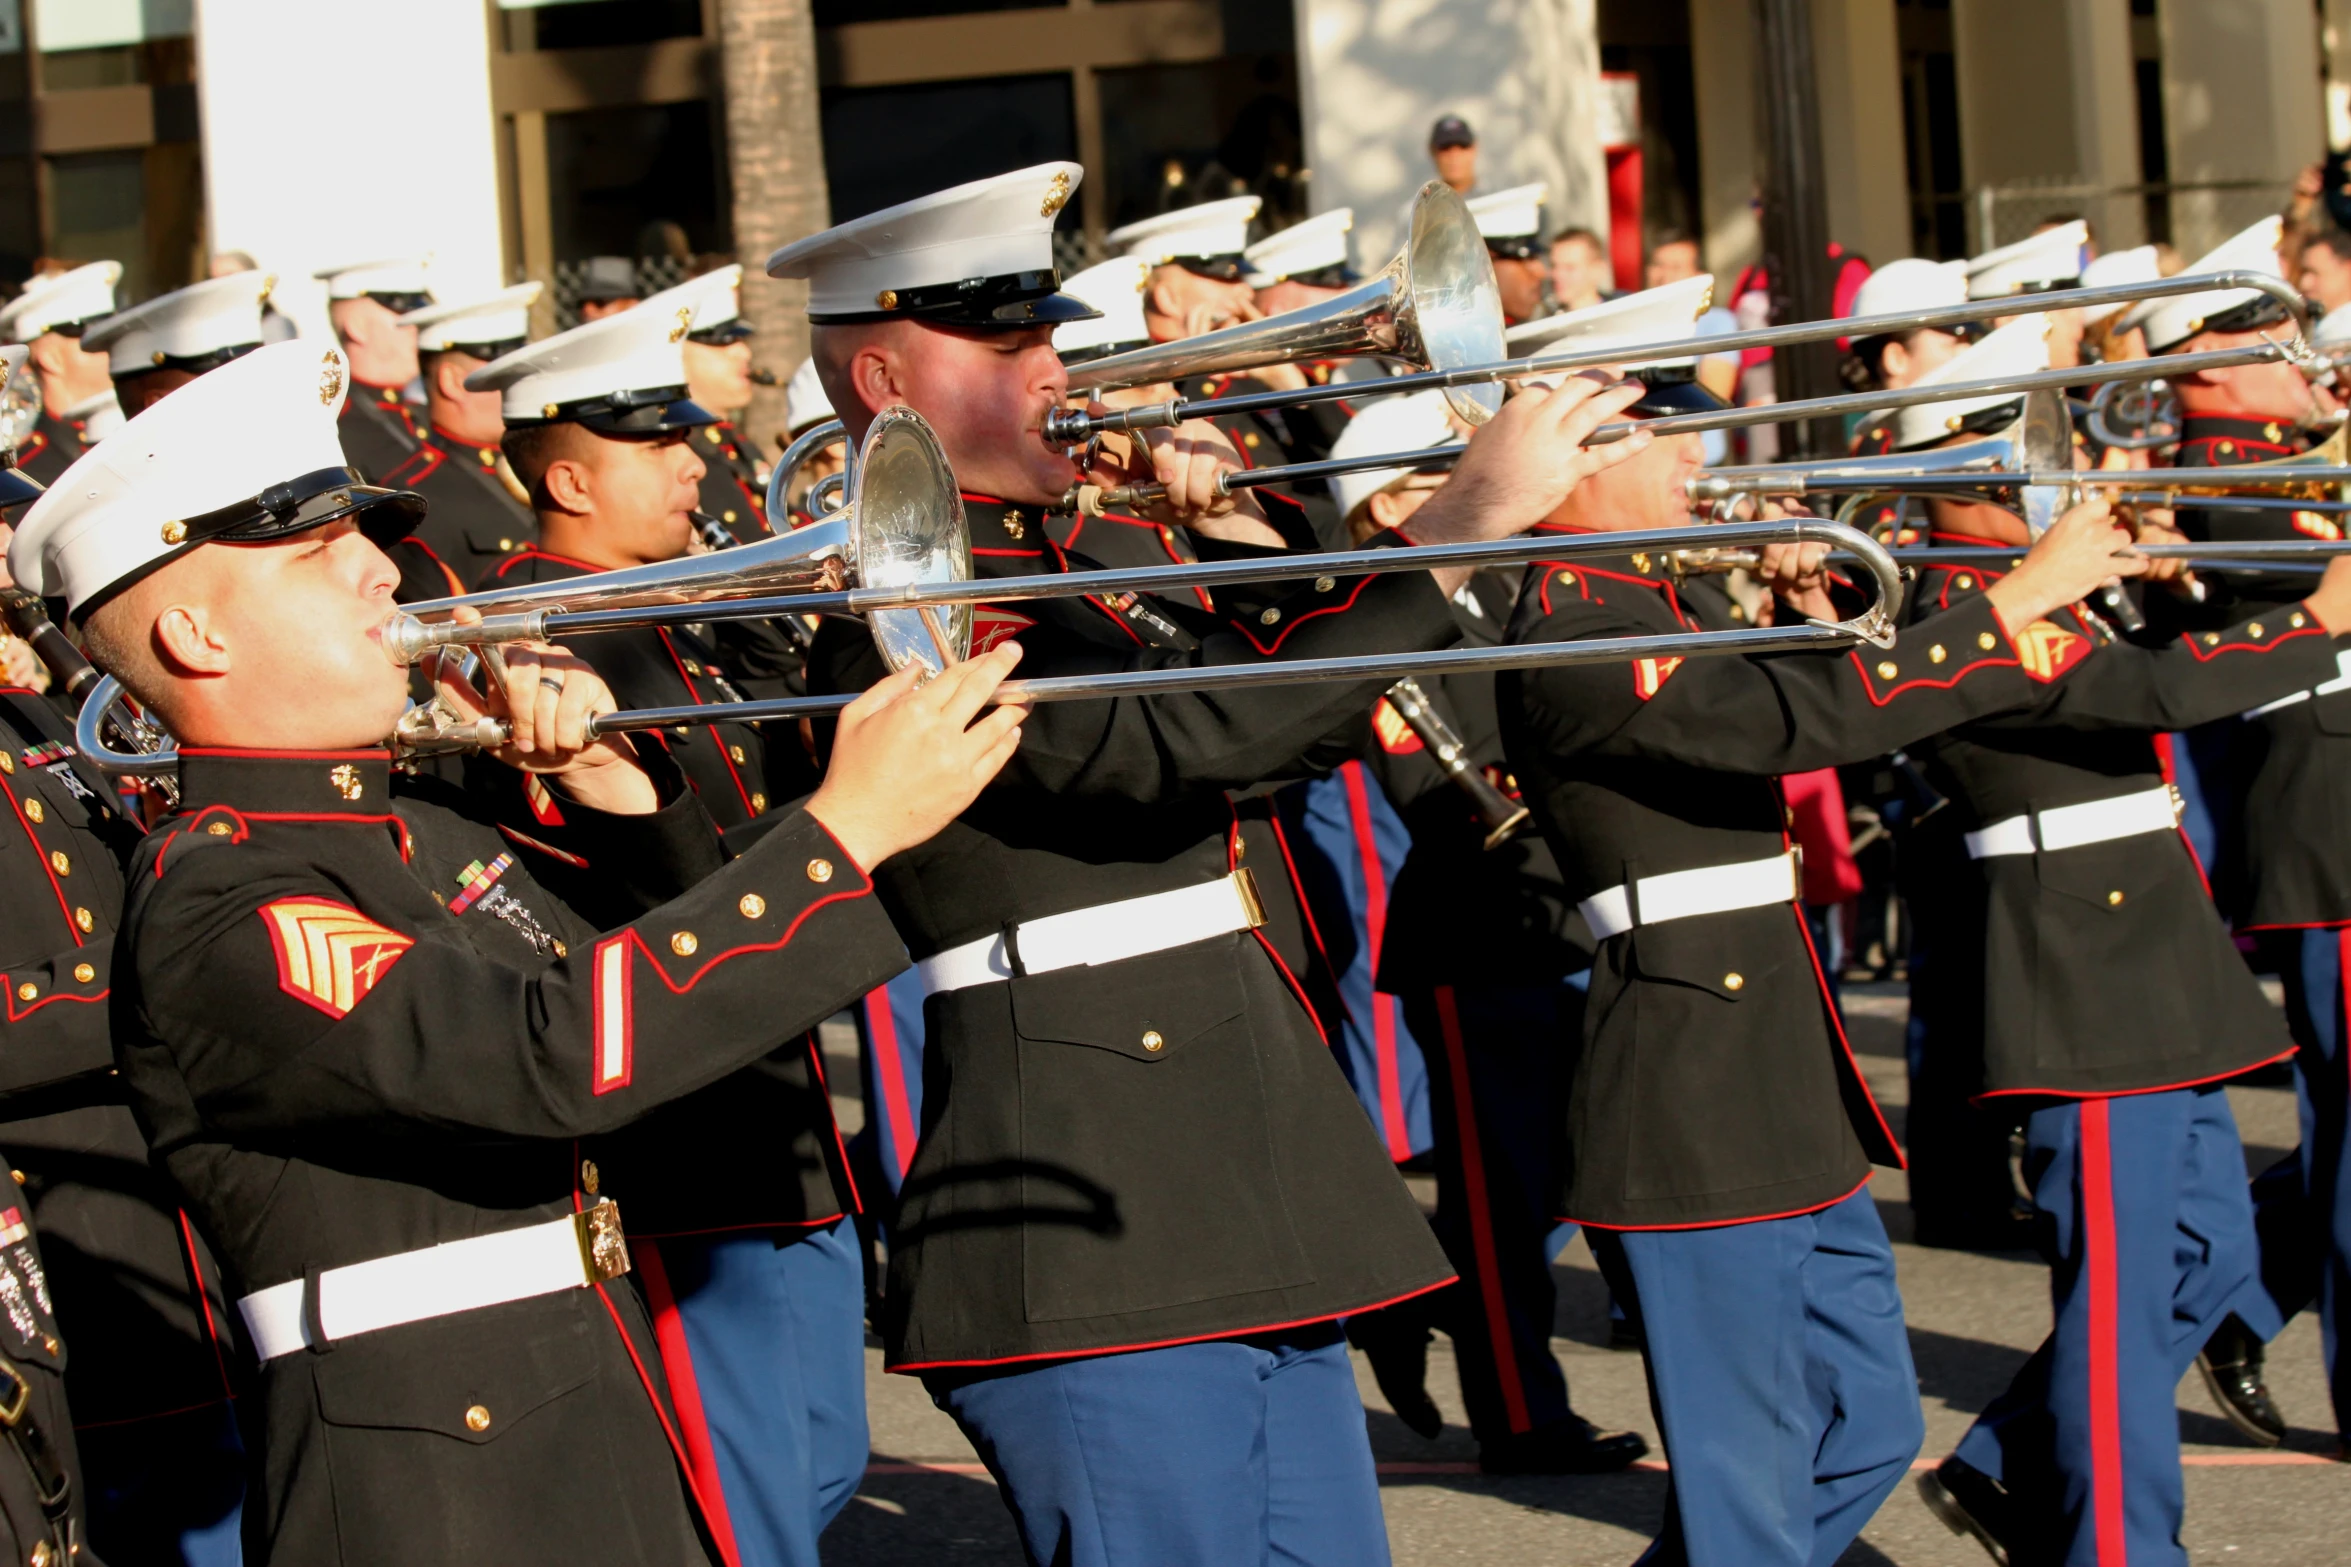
29	620
1497	812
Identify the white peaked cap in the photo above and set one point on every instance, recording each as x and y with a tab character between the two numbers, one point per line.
1653	315
1911	284
189	323
2139	264
954	240
715	297
2019	348
805	402
391	275
2333	329
1388	424
1511	214
1114	288
503	317
1211	229
1315	245
628	356
252	445
2171	321
2034	262
84	294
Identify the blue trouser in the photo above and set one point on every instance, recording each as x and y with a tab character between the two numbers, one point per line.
1498	1056
167	1491
2150	1236
1780	1375
1233	1453
2302	1204
771	1384
890	1036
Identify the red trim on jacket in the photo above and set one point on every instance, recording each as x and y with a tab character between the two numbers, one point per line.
1713	1224
685	1390
64	905
693	695
2086	1094
1282	635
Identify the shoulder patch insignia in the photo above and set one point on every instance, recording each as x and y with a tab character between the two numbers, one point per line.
2317	525
991	626
1651	674
544	810
2048	650
329	954
1396	736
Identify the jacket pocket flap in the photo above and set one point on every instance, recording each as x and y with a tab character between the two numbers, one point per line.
1707	954
1147	1008
469	1376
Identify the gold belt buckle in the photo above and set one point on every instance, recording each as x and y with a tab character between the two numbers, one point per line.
604	1250
1245	883
17	1396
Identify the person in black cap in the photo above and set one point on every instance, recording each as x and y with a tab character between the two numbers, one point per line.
1453	148
608	286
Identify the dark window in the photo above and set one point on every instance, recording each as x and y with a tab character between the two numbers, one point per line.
1930	130
634	182
837	13
602	24
1653	42
2154	156
1175	135
885	145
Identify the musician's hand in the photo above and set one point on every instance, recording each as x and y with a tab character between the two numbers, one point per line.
1209	317
2155	527
2330	606
1188	460
2082	552
21	666
1522	463
546	696
909	759
1798	576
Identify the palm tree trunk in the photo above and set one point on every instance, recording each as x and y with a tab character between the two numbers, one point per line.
775	161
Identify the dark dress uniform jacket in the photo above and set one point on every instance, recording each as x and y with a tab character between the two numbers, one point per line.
2287	854
1714	1083
140	1294
2102	967
1078	1190
472	521
377	431
731	490
355	1026
52	447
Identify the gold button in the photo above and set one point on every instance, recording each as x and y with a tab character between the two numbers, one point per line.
887	299
1152	1041
505	544
820	870
1734	981
562	951
683	943
736	753
2227	447
693	668
1565	579
1738	612
1966	581
16	1176
2297	620
84	973
1887	671
477	1419
1935	654
752	905
175	533
589	1178
82	918
758	801
1984	640
1325	584
728	517
59	863
2114	899
33	809
27	990
40	1556
1249	439
1269	617
7	763
2254	629
218	829
2212	639
1641	564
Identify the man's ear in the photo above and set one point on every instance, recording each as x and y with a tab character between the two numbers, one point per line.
1386	508
187	642
449	373
1160	300
569	485
875	375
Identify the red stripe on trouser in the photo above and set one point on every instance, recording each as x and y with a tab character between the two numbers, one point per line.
1484	1258
2098	1266
881	1033
1375	929
677	1360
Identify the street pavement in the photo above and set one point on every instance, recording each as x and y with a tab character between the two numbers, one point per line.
1973	1319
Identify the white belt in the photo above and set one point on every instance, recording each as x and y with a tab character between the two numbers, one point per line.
2341	682
1712	889
1102	934
436	1281
2071	826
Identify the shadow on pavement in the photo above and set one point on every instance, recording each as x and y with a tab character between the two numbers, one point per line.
950	1520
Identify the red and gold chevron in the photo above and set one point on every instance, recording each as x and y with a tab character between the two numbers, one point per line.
330	954
2317	525
1396	736
990	625
2048	650
1650	675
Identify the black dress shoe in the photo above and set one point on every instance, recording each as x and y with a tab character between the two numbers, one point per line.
2232	1361
1399	1356
1573	1446
1970	1502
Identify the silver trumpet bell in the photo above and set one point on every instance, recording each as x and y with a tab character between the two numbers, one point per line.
1436	304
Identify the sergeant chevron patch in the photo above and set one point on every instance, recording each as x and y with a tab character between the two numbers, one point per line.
990	625
1650	675
2048	650
1396	736
2317	525
329	954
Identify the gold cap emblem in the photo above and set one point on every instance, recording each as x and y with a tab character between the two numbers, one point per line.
347	781
685	324
887	299
175	533
1056	196
330	378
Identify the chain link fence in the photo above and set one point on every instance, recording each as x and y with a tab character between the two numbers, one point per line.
2191	215
654	273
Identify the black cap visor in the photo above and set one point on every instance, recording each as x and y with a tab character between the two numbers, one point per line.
398	304
645	412
2251	316
1337	275
1514	247
485	352
735	331
18	487
1672	389
1007	302
195	364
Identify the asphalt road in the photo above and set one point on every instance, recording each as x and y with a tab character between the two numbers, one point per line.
1973	1318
